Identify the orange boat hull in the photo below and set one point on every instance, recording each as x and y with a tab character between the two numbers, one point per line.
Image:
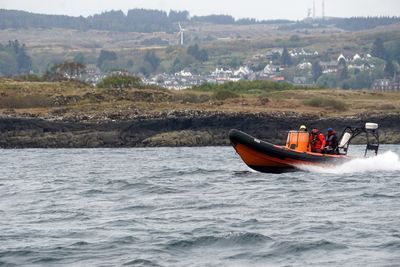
265	157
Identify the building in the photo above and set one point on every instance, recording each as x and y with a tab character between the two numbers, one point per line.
387	85
301	80
329	67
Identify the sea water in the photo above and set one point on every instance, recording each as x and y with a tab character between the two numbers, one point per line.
194	207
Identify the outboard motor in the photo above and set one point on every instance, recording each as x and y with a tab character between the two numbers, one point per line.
372	135
372	129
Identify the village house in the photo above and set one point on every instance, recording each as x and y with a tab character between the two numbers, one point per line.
302	53
329	67
387	85
304	66
273	54
271	69
300	80
93	74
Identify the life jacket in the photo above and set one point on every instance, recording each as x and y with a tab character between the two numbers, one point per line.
317	140
332	140
329	139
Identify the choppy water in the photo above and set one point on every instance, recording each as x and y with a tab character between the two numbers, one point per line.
194	207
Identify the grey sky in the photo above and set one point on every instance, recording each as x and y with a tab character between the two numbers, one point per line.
260	9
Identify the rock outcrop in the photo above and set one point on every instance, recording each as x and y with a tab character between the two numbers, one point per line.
176	128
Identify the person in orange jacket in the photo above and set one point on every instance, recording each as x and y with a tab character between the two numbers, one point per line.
317	141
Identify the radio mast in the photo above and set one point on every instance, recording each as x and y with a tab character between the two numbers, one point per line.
313	14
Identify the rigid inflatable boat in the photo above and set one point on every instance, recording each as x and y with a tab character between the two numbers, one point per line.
269	158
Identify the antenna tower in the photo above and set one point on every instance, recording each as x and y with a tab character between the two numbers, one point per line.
313	15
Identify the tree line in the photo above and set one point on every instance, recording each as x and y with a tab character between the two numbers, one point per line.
136	20
145	20
347	24
364	23
14	59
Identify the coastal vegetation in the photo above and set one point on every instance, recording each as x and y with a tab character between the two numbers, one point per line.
71	99
120	82
326	103
245	87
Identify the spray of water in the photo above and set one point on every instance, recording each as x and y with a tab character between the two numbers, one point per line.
386	162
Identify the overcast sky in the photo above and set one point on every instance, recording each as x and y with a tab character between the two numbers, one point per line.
260	9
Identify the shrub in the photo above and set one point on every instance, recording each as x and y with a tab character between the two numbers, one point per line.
31	101
30	78
194	98
386	107
263	100
321	102
120	82
224	94
247	87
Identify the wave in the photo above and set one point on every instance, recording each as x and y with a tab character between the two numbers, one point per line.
196	171
136	207
283	249
250	222
376	195
141	262
390	245
387	162
290	247
94	192
243	173
80	243
240	239
45	260
162	190
217	206
125	240
17	253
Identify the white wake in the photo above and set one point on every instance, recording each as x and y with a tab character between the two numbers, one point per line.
386	162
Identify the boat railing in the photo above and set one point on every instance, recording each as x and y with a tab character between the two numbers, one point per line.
372	135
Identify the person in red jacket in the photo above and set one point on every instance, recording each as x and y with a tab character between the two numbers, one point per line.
317	141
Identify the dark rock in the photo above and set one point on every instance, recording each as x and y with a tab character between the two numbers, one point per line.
173	128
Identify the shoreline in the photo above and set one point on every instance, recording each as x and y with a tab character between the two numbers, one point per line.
189	128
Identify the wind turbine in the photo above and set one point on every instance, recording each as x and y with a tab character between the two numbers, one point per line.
181	31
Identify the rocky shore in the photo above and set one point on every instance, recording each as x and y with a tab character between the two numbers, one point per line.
174	128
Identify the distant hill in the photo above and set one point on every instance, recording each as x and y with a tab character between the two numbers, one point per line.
136	20
364	23
145	20
347	24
